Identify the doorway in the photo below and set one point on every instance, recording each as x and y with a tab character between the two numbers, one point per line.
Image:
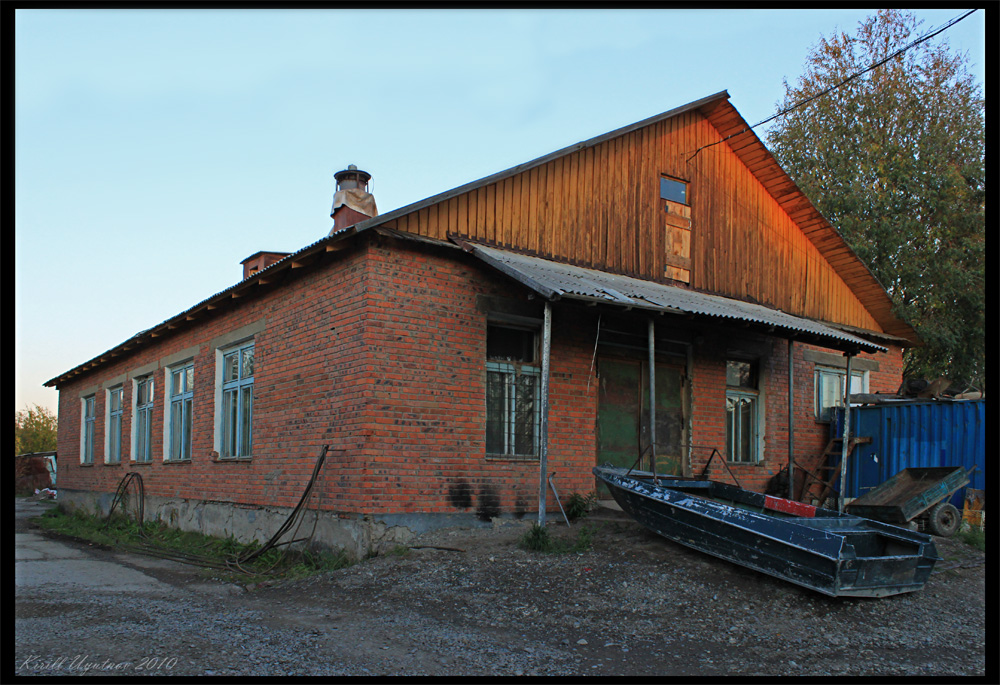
623	416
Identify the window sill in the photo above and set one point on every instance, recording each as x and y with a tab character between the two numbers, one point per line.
512	457
87	464
176	461
230	460
141	463
112	463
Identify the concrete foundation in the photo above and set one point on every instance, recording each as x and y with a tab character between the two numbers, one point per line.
359	535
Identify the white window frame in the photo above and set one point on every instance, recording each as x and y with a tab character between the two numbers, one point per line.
509	420
827	374
222	388
511	371
147	421
113	419
88	421
736	395
734	435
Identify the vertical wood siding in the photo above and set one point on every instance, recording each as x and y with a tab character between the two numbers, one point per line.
600	207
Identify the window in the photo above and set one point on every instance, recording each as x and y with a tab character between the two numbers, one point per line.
741	411
513	386
181	411
113	453
87	438
143	424
237	401
673	190
829	384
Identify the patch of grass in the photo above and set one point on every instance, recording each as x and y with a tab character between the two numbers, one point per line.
537	539
974	536
578	506
156	537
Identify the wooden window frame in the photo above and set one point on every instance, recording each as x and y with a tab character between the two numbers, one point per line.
824	374
670	179
88	424
511	372
179	433
236	426
736	427
113	437
142	424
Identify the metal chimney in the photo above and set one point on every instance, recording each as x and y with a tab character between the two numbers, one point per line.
352	203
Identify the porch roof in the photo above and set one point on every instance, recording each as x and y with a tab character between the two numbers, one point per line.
554	280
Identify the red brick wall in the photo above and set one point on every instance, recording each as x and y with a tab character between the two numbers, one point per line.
429	341
311	388
811	435
382	356
380	353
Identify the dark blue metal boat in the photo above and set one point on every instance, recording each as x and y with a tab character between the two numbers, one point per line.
837	554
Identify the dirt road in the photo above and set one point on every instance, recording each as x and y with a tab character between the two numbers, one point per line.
634	604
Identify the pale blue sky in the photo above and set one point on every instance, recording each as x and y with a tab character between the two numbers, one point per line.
155	149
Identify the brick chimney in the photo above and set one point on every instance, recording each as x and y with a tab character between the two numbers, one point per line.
260	261
352	203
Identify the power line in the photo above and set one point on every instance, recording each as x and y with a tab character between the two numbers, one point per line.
853	76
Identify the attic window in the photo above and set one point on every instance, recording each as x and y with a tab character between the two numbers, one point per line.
673	190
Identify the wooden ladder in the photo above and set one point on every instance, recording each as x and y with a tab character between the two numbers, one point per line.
818	486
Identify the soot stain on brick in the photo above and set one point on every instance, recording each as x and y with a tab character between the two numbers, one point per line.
520	507
489	503
460	494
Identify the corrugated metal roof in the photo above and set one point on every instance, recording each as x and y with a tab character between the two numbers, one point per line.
554	280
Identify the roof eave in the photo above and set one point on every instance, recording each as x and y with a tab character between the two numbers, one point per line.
262	277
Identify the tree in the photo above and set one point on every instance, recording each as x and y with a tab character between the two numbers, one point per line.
895	160
34	430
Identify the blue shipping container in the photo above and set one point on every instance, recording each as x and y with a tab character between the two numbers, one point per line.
907	434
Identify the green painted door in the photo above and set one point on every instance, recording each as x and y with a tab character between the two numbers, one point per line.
669	418
623	416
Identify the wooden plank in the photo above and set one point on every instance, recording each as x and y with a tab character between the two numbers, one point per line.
531	196
586	223
462	226
506	205
526	229
679	245
492	212
452	215
677	274
541	215
481	227
600	261
571	208
551	206
516	238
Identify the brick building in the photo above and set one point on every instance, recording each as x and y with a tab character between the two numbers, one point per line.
450	350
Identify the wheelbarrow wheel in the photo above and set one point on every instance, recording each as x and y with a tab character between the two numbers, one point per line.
944	519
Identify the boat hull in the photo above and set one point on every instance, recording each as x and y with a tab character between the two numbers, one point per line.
836	554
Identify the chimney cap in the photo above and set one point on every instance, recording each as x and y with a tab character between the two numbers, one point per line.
352	173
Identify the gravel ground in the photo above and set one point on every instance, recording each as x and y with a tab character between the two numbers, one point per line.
635	604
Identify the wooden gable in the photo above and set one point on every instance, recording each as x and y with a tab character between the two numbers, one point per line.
745	230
